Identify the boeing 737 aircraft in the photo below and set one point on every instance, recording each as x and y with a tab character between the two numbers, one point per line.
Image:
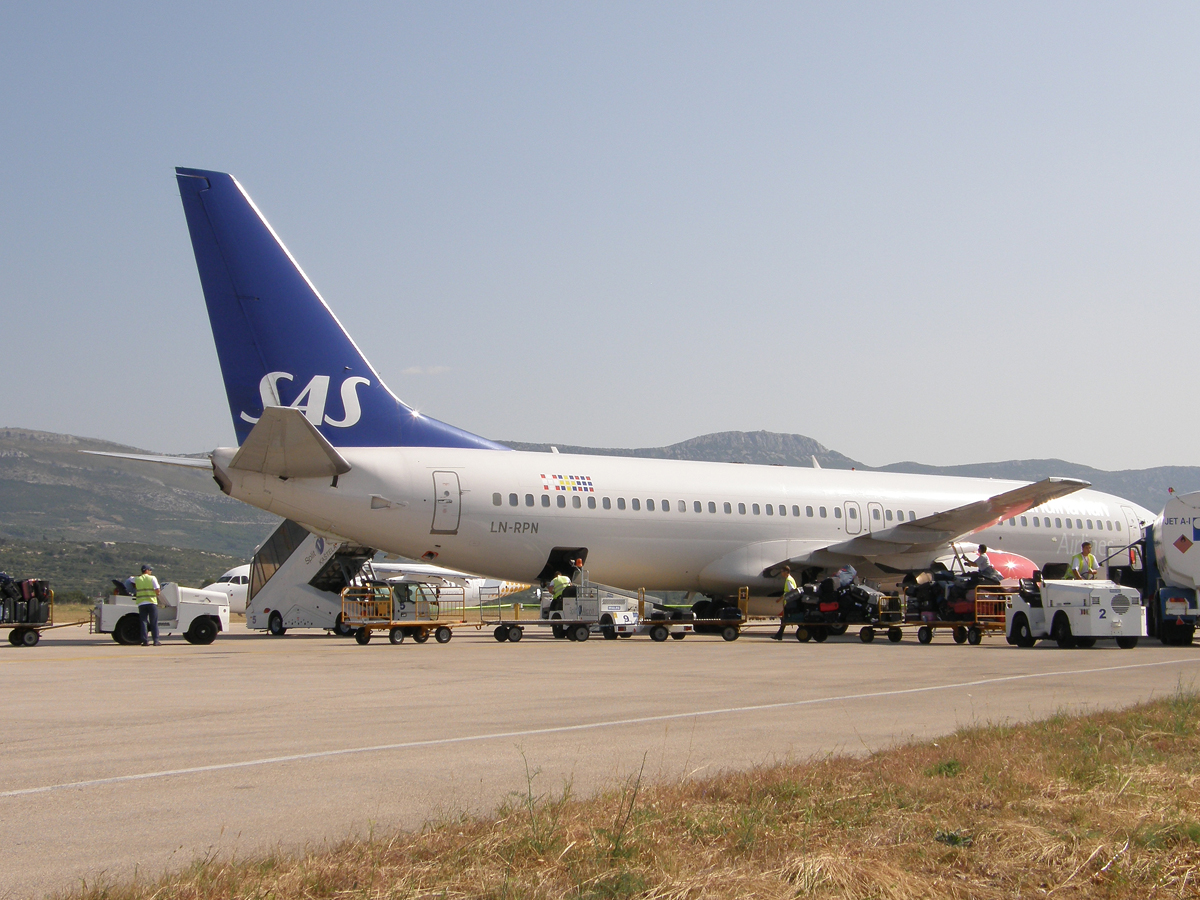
323	441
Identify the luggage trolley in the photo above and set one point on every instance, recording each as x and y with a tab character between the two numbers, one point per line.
26	619
404	610
988	617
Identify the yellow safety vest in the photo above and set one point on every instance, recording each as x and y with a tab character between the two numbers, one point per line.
558	585
789	585
1081	564
144	589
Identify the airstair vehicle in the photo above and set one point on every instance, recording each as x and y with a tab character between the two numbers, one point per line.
297	579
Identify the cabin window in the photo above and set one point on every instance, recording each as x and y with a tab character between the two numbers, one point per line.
796	511
1012	522
562	502
529	499
666	506
495	499
741	509
852	512
575	501
607	503
1109	524
782	510
875	514
887	514
1089	521
591	502
912	516
728	508
712	507
837	512
512	500
636	503
1036	522
696	506
650	505
545	499
823	513
770	510
620	503
1118	524
683	506
1024	522
755	509
1058	523
808	511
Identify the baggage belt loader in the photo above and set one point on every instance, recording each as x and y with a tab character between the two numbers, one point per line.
196	614
406	609
585	607
1075	614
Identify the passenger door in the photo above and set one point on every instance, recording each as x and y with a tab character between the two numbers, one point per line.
875	520
853	517
446	503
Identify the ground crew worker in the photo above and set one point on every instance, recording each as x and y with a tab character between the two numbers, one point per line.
1083	564
557	586
789	585
983	562
146	591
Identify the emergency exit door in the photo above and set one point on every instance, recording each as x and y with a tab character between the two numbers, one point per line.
446	503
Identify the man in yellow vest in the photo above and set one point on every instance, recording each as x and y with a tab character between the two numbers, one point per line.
789	585
146	591
557	586
1083	564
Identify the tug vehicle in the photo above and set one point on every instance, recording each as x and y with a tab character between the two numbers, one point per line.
1074	613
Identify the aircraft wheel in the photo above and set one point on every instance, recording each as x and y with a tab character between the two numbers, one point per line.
396	636
802	635
501	633
866	634
581	633
895	635
1085	642
443	634
1127	643
974	636
924	634
729	633
515	634
838	629
275	624
820	635
421	635
960	634
363	636
659	633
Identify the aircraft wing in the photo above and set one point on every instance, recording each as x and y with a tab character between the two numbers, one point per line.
189	462
938	530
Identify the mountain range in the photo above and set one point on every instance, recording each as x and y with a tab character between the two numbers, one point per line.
51	491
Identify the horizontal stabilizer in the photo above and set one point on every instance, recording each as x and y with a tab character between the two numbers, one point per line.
285	444
188	462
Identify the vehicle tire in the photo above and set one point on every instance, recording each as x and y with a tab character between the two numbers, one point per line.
624	634
1127	643
581	633
1061	632
421	635
1187	634
363	636
501	633
678	635
820	635
1085	643
1022	636
558	631
730	633
340	628
960	634
659	633
29	637
866	634
838	629
895	635
515	634
396	636
129	626
924	634
275	624
608	629
974	636
802	635
14	637
443	634
202	631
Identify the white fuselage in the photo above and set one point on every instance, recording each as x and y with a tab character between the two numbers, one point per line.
657	524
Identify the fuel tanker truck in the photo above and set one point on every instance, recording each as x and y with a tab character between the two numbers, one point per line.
1171	552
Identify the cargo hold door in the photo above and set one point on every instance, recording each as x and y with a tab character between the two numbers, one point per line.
446	503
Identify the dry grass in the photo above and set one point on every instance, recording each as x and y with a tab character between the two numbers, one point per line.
1106	805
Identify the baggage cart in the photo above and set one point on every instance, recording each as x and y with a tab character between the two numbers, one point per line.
24	626
405	610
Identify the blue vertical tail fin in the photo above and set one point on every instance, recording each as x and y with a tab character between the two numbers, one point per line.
278	342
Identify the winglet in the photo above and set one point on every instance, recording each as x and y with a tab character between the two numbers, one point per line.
284	443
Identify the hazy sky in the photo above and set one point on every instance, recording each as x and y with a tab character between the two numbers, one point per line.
943	232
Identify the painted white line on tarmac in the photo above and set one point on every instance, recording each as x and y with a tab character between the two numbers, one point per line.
587	726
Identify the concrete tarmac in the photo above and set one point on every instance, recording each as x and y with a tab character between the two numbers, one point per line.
123	760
